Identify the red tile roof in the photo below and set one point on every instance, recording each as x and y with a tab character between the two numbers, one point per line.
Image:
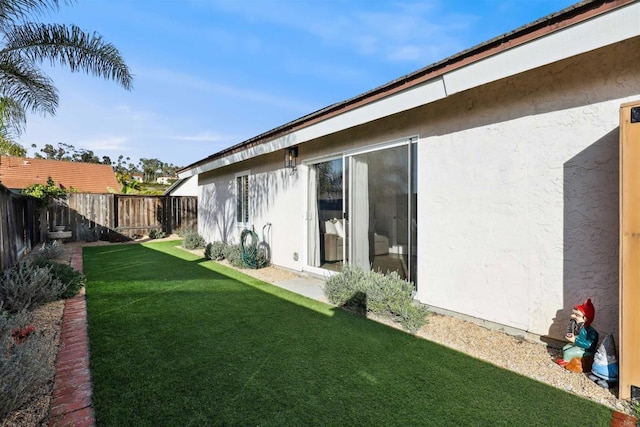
21	172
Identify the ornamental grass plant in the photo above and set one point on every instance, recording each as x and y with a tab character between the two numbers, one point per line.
177	339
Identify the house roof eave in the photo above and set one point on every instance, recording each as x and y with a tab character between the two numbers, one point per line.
549	24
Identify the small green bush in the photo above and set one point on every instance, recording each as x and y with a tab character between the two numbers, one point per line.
50	251
192	240
26	285
23	361
413	316
387	295
72	279
156	234
184	230
635	408
215	251
233	254
341	288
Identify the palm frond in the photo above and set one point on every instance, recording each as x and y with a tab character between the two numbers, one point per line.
68	46
13	118
26	85
16	10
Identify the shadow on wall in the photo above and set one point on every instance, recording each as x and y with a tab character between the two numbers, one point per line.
217	209
590	234
268	181
267	186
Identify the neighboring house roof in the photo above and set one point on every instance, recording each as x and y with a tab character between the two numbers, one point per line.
17	173
467	69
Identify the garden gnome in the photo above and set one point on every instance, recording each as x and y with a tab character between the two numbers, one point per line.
604	370
577	355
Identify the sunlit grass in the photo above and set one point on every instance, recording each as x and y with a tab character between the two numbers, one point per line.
179	340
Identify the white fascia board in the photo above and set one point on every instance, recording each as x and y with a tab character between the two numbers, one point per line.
612	27
615	26
415	96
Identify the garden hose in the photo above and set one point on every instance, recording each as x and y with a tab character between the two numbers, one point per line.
251	252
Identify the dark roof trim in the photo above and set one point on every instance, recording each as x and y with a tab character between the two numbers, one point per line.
572	15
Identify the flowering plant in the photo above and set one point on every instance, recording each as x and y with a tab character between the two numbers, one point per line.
21	335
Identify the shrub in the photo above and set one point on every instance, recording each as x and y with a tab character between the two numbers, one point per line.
215	251
184	230
413	316
50	251
263	255
192	240
341	289
114	236
635	407
23	361
233	254
72	279
156	234
387	295
26	285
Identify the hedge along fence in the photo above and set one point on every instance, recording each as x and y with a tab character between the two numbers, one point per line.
93	216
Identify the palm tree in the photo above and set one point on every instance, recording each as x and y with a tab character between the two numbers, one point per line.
12	120
24	45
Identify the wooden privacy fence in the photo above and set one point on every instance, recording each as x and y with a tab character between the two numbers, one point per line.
19	226
92	217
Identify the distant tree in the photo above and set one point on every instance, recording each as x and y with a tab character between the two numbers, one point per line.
151	168
25	44
10	148
63	152
85	156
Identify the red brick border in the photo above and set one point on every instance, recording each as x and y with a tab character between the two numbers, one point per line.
72	386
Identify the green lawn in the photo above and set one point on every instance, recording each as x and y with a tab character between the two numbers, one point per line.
177	341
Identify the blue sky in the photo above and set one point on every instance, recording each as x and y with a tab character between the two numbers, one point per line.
212	73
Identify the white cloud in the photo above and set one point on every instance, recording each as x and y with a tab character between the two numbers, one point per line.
106	142
200	137
184	81
423	29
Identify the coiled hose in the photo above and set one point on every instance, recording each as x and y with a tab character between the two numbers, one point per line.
254	254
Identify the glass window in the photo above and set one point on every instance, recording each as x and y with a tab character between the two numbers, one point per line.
242	199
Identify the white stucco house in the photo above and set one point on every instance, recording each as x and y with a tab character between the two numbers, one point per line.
183	187
489	179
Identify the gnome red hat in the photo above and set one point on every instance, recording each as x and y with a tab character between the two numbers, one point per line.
588	310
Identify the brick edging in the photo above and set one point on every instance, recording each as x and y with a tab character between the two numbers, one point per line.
72	387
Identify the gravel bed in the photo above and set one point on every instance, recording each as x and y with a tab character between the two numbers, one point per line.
47	321
534	360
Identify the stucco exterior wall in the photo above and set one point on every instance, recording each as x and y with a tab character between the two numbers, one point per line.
275	207
187	188
518	194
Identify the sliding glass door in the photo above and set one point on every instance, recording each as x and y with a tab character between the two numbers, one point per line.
327	236
361	210
378	209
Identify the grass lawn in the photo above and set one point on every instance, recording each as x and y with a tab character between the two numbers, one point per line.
177	340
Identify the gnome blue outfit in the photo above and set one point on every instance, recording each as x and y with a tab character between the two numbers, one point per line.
582	345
